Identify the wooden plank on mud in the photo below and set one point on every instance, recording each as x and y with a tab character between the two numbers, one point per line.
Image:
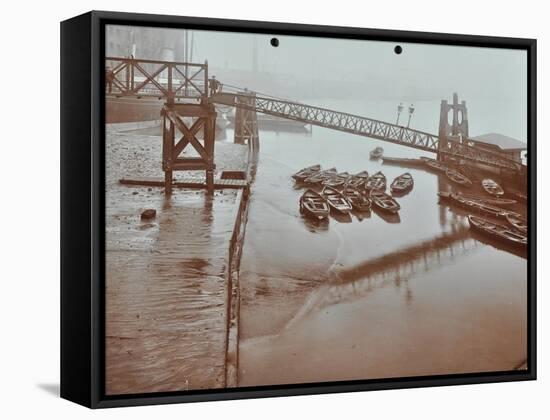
185	183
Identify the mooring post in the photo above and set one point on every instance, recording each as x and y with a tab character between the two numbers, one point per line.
168	183
167	151
209	144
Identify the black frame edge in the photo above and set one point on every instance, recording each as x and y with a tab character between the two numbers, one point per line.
532	204
301	29
76	232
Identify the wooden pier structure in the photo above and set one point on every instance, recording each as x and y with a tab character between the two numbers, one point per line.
189	118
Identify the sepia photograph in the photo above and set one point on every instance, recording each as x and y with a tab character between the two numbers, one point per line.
288	210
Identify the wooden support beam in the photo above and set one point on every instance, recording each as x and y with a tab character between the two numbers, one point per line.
175	118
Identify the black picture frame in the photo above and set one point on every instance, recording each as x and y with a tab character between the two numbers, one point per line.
83	206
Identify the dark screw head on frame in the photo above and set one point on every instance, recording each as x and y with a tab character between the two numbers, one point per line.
274	42
398	49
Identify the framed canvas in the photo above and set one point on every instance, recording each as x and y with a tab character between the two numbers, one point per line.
254	209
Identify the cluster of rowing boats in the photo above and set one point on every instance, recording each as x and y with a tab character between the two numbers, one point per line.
342	192
458	177
513	232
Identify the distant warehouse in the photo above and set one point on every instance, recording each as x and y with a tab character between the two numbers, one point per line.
508	146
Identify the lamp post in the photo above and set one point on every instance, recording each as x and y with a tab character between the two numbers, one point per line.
399	111
411	110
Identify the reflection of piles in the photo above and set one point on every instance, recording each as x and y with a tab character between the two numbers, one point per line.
397	267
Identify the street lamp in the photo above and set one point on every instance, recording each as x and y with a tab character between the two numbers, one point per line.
399	111
411	110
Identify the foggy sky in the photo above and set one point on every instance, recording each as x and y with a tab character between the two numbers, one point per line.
306	67
420	71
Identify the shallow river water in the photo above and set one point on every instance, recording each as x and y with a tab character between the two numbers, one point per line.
370	297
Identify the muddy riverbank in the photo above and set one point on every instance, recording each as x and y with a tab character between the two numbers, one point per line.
166	287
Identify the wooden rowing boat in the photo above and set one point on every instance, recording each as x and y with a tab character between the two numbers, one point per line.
314	205
384	202
376	153
487	200
304	173
492	187
458	177
357	200
355	182
473	205
434	164
358	180
402	184
517	221
318	177
498	231
364	175
334	181
376	182
336	200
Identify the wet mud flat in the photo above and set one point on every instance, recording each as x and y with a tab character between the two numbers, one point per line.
368	298
166	292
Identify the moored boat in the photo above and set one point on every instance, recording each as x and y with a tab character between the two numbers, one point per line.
304	173
492	187
488	200
336	200
334	180
473	205
498	231
364	175
319	177
384	202
402	184
355	182
376	153
314	205
357	200
376	182
358	180
458	177
434	164
517	221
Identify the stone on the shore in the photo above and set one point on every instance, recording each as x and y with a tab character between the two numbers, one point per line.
148	214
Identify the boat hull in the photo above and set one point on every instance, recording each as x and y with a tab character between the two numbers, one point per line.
498	232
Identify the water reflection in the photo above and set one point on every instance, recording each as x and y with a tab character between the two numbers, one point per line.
387	217
341	217
406	257
362	215
459	215
349	284
502	246
315	225
395	268
396	194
